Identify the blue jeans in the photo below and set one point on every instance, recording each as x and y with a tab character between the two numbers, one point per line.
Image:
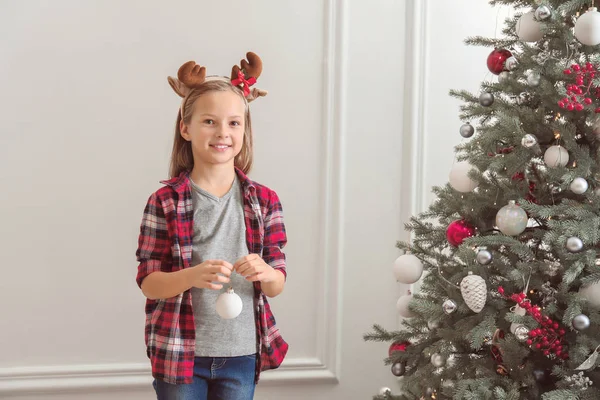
228	378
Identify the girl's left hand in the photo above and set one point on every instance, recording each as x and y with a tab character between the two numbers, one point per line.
255	269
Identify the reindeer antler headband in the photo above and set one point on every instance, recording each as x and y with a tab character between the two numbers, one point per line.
191	76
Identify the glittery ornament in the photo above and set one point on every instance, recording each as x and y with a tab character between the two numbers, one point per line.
497	59
449	306
543	12
474	291
458	231
511	64
511	219
528	141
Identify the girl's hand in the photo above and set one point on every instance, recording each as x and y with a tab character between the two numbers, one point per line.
203	275
255	269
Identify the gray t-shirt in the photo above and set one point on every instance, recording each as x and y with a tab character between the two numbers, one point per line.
220	234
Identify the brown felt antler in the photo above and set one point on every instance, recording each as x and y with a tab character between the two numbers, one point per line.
251	68
190	76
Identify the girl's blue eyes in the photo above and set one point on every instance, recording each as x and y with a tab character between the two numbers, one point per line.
212	122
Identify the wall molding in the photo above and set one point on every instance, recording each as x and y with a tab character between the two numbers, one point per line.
325	367
331	251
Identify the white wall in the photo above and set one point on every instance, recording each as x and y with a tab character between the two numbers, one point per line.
351	146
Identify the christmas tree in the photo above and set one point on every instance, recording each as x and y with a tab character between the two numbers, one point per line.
506	256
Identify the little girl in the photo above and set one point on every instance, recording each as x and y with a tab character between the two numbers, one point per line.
209	229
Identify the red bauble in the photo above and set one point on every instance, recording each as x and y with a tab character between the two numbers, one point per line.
496	60
458	231
398	347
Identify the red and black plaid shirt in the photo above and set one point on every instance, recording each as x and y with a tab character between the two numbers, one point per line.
165	244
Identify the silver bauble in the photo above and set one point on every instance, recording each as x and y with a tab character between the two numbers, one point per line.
574	244
543	12
529	141
503	76
579	185
511	63
398	369
449	306
483	257
533	78
522	333
429	391
467	130
486	99
581	322
437	360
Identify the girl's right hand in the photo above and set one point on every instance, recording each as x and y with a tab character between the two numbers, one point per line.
203	275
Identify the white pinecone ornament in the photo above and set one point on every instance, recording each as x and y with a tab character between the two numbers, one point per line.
474	291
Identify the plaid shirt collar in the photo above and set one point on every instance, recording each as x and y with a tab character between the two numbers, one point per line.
181	183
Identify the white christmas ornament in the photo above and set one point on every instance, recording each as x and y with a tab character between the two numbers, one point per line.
474	292
229	304
592	294
459	177
587	27
579	185
528	29
408	269
556	156
402	306
511	219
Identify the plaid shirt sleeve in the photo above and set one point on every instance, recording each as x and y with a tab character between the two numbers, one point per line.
275	237
154	246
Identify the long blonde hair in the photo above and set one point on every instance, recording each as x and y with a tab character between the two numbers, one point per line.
181	156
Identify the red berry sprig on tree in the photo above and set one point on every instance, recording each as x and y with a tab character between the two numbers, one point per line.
549	337
580	93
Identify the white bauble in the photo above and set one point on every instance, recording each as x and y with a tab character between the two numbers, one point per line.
587	27
556	156
511	219
528	29
229	304
579	185
408	269
592	294
459	177
402	306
